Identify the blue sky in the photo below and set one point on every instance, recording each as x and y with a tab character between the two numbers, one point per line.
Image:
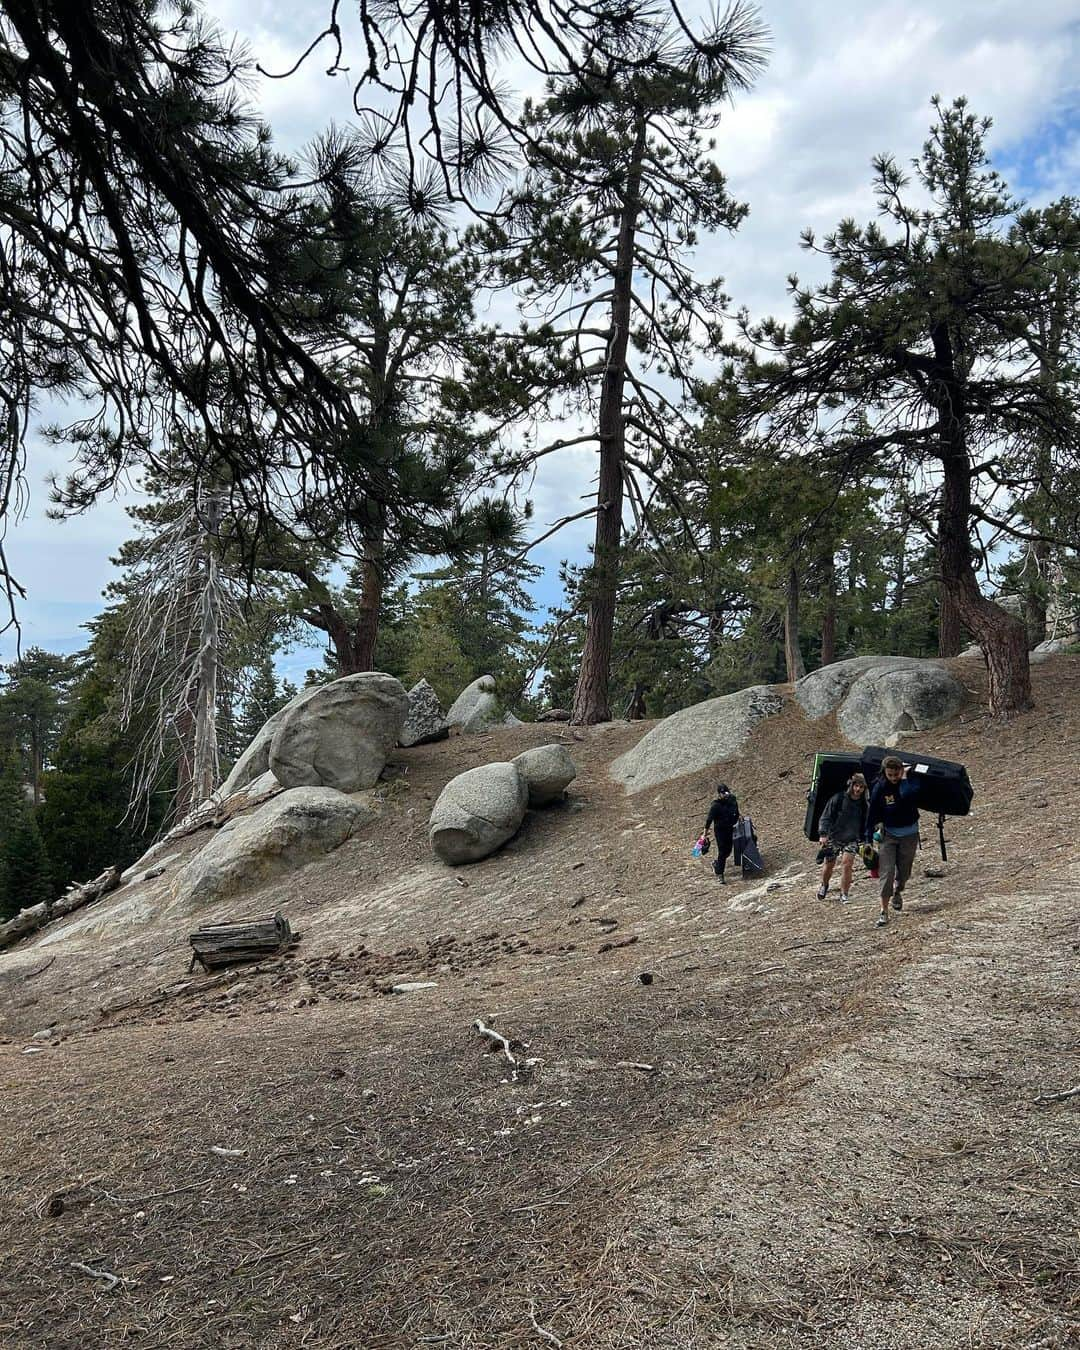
846	80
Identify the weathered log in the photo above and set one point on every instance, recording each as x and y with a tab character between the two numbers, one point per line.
37	916
226	944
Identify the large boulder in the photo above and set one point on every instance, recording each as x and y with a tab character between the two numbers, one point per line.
338	735
882	703
476	708
425	721
822	691
548	771
281	835
477	812
695	738
1051	647
255	761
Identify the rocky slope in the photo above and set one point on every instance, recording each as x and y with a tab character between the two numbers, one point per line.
843	1138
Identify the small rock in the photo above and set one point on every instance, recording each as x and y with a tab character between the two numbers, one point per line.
646	977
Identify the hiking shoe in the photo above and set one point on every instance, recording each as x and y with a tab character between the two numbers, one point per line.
897	902
883	918
721	878
845	899
822	892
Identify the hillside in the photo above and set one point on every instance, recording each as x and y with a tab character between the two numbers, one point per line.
848	1137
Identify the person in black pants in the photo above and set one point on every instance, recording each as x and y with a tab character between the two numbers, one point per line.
722	818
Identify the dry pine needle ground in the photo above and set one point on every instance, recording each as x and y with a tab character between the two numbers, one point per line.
846	1138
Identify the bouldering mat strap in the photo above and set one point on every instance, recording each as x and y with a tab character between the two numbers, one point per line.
941	835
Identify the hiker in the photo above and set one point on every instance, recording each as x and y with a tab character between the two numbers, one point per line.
893	810
841	831
722	818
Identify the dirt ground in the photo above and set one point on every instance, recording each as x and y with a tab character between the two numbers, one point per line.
803	1131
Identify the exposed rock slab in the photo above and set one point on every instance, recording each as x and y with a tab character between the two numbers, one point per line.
822	691
477	812
278	837
338	735
695	737
883	703
424	722
548	771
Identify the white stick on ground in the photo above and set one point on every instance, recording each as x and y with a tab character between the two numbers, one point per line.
495	1039
110	1279
543	1332
1058	1096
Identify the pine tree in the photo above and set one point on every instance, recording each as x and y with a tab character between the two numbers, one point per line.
85	821
472	616
33	705
405	345
924	336
24	865
596	237
263	698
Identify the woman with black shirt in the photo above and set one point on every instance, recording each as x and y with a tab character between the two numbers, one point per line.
722	818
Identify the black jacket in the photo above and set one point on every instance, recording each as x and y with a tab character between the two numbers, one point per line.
893	805
844	819
723	815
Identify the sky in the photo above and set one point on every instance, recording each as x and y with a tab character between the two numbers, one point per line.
845	81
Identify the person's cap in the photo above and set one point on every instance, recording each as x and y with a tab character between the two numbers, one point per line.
721	788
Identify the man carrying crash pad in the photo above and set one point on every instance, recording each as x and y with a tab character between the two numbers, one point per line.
893	810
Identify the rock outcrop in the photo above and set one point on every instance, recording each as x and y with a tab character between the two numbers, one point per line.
883	703
548	771
276	838
877	698
1051	647
476	708
822	691
255	760
695	737
477	812
424	722
338	735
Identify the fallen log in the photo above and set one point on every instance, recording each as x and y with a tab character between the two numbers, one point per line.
29	920
226	944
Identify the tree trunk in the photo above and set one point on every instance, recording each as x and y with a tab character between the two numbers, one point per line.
205	764
591	696
1036	570
950	627
1002	637
36	758
828	621
793	659
371	592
